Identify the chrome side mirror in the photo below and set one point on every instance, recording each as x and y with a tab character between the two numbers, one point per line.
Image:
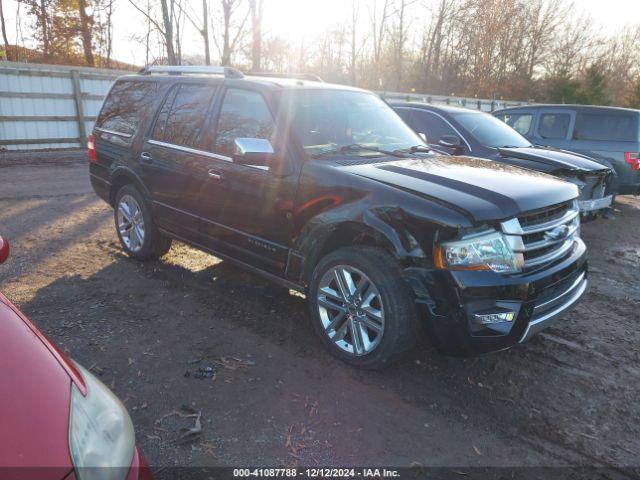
254	152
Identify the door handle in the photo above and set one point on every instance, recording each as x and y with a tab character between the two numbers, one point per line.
146	157
215	175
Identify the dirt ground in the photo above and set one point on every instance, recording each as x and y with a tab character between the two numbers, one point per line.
274	396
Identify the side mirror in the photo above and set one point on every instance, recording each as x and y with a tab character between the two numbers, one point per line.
254	152
4	250
452	141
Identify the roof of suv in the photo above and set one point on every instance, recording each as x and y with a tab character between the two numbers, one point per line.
282	83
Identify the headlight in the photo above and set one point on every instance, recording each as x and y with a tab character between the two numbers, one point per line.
101	437
486	251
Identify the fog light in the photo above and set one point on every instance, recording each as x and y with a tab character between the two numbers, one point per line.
494	317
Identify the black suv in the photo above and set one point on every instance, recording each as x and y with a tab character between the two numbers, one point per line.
324	189
461	131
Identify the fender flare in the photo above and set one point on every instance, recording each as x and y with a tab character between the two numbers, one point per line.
121	176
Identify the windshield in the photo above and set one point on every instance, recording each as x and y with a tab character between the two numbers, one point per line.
346	122
491	132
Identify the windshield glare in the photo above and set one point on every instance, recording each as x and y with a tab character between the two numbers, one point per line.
489	131
326	120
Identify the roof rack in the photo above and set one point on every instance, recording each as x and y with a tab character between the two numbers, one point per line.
297	76
227	72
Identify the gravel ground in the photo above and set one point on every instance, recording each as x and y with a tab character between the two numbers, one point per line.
271	395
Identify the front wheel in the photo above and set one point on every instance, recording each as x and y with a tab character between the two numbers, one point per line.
361	307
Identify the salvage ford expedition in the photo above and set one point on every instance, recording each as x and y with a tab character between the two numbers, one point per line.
324	189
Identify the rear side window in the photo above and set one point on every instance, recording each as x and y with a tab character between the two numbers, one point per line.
125	106
244	114
612	127
554	125
182	116
520	122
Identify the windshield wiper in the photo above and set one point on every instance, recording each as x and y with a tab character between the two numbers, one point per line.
355	147
414	149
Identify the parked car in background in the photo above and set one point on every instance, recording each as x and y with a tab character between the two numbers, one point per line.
325	190
460	131
608	135
57	421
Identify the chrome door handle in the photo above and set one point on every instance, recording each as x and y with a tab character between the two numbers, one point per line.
215	175
146	157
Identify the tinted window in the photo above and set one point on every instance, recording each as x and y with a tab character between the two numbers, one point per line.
244	114
554	125
432	126
520	122
489	131
181	117
612	127
125	106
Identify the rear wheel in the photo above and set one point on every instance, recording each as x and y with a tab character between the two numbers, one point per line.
361	307
136	229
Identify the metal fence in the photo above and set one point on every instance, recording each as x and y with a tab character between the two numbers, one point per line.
482	104
50	106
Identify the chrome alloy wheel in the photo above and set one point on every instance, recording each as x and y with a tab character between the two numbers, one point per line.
130	223
351	310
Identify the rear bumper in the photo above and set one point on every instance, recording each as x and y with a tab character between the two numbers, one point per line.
457	304
101	186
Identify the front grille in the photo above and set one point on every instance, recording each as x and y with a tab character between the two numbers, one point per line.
544	236
544	215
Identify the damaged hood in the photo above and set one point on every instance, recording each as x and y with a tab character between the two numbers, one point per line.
551	160
486	190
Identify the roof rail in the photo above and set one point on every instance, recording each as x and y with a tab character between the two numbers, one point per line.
297	76
227	72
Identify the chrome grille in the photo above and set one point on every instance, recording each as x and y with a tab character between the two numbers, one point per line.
544	236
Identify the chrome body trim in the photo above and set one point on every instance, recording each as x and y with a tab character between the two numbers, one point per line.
113	132
548	242
563	294
551	256
537	324
190	150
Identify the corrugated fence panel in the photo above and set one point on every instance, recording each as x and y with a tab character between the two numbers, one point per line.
38	104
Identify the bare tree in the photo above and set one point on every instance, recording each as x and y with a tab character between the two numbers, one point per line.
201	25
257	14
230	40
40	10
165	26
86	23
378	30
399	39
355	12
4	32
204	31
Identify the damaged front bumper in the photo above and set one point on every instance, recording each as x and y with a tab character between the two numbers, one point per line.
475	312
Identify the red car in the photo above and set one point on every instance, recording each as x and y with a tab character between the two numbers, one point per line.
57	420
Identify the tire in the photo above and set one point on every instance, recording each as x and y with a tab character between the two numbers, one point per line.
132	217
388	335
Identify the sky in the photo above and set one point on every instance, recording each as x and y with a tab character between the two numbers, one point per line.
308	19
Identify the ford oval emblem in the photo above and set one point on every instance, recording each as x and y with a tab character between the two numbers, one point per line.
557	233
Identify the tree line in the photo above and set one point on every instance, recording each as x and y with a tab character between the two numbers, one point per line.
540	50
